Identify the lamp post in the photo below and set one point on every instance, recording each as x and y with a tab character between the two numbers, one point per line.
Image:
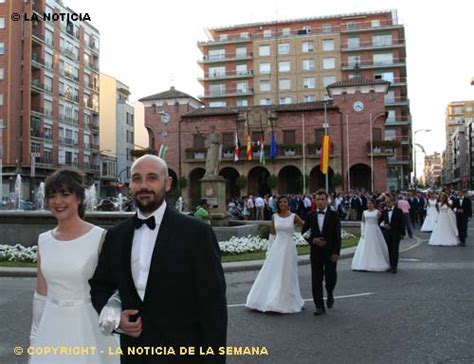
304	154
414	151
326	127
1	162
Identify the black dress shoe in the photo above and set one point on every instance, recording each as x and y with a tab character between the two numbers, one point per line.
330	301
462	244
394	270
319	311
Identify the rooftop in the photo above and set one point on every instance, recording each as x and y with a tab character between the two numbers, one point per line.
172	93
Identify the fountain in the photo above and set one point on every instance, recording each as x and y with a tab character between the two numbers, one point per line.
120	201
179	204
40	196
91	198
18	192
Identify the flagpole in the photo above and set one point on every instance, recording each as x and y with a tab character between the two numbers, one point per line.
326	126
348	162
304	155
371	155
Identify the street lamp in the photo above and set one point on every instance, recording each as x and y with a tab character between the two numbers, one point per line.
414	151
1	162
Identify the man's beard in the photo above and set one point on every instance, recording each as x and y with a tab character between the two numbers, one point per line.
151	205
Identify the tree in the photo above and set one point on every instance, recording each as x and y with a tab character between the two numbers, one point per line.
241	182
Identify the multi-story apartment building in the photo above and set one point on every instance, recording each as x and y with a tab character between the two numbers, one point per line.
117	138
49	93
459	115
293	61
432	169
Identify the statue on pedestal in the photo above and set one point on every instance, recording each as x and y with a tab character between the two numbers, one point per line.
213	156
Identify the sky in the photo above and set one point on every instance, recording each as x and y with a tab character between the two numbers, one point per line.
150	45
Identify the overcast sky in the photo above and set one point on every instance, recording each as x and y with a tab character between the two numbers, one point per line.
150	45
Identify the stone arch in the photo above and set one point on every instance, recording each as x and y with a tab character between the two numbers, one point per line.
317	180
257	181
290	180
195	185
360	177
231	175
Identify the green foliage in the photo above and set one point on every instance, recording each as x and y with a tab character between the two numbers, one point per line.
272	181
241	182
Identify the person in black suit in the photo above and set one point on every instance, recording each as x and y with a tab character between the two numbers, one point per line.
167	272
463	208
325	242
393	228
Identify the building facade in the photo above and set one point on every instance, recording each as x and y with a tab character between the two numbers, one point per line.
49	94
360	155
118	136
432	170
293	61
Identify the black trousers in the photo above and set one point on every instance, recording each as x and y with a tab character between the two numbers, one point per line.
322	269
462	227
393	247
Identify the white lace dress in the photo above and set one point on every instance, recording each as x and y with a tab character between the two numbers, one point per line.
276	288
69	319
445	231
431	217
372	252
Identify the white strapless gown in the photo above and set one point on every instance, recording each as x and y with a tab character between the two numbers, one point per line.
372	252
445	231
69	319
431	217
276	288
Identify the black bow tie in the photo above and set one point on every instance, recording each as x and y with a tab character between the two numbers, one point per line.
150	222
321	212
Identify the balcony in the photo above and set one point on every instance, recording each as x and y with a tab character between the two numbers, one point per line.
398	81
68	52
396	43
226	40
69	96
348	66
368	26
226	57
396	101
37	85
398	121
68	141
38	36
380	150
68	119
227	93
44	162
93	125
70	76
95	146
226	75
91	167
37	60
198	154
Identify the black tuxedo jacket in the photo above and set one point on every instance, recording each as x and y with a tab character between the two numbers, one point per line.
466	206
397	224
184	302
331	232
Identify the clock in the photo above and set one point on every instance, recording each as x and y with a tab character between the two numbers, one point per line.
358	106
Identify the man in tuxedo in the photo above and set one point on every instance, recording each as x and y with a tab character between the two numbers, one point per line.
393	227
325	242
167	270
463	208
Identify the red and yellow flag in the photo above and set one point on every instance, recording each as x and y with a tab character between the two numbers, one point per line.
249	151
325	153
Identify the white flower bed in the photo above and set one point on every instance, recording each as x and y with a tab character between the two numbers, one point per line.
18	253
254	243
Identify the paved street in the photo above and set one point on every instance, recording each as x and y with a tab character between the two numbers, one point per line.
423	314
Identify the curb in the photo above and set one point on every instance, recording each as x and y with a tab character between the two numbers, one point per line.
230	267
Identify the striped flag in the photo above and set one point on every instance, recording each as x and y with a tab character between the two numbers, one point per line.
261	143
162	151
273	146
237	147
325	153
248	155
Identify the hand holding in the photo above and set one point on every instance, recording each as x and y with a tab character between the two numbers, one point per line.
130	328
334	258
387	226
319	242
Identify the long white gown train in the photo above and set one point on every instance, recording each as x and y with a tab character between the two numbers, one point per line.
431	217
445	231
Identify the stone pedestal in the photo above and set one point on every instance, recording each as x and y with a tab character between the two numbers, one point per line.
213	189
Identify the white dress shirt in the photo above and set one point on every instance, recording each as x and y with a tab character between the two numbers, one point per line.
142	249
321	219
390	213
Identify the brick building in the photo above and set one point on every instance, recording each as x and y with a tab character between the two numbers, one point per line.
355	114
49	94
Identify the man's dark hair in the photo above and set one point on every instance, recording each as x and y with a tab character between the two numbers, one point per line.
322	192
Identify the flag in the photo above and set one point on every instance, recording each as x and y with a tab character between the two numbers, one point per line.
248	155
325	152
237	147
261	143
162	151
273	146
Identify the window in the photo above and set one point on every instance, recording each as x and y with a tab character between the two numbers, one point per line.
375	23
309	82
390	134
319	134
284	67
353	42
390	97
353	60
217	104
241	69
289	137
267	33
327	28
223	37
48	83
285	100
242	87
328	44
241	52
216	71
2	48
383	59
327	80
217	89
265	86
391	117
387	76
329	63
351	25
308	64
215	54
242	102
307	47
285	84
309	98
227	139
264	50
2	73
376	133
199	141
284	48
244	35
382	40
266	101
286	31
265	68
2	22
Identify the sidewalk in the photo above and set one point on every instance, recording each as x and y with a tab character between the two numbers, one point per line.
249	265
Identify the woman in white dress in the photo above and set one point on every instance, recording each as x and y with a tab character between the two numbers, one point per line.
63	316
276	288
431	215
372	252
445	231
